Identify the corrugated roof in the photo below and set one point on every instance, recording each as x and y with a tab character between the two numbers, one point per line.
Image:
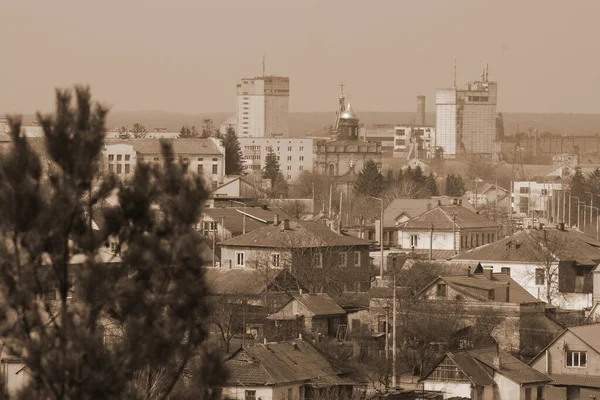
576	247
591	381
510	367
279	363
179	146
442	217
300	234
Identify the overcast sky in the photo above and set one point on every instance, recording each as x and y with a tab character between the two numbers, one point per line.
187	55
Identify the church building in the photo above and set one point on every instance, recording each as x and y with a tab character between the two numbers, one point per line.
344	155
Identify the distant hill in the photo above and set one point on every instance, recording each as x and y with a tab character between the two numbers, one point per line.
303	123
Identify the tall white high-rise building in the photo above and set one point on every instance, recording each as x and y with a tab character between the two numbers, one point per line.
466	119
263	106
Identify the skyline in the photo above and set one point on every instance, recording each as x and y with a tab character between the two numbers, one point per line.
173	57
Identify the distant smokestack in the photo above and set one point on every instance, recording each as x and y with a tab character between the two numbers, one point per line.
420	119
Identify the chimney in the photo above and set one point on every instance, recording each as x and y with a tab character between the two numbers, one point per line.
265	340
276	220
469	271
488	272
496	361
420	118
508	292
561	226
285	225
505	270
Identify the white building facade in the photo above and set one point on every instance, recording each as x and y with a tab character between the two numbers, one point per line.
263	107
294	155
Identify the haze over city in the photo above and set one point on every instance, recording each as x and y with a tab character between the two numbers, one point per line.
186	56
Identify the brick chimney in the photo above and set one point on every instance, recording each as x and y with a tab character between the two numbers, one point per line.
488	272
285	225
508	292
505	270
469	271
276	220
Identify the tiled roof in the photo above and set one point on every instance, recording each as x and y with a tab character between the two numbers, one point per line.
442	217
590	381
300	234
319	304
510	366
410	207
577	247
474	371
179	146
279	363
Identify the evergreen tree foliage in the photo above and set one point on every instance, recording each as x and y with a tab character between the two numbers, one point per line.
208	128
64	295
271	169
188	133
139	131
455	185
370	181
233	153
431	185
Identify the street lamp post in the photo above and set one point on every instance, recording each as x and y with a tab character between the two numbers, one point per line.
244	221
380	235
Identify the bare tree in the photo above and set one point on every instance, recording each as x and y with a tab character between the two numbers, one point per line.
294	208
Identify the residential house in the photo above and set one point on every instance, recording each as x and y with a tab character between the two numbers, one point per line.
234	221
286	370
488	194
572	361
497	299
554	265
239	188
315	313
452	228
321	259
485	374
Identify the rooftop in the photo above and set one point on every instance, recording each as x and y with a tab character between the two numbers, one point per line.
179	146
239	281
510	366
445	217
521	247
300	234
279	363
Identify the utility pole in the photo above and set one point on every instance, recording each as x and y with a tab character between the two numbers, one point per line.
244	324
214	246
591	205
431	244
244	220
330	196
394	328
380	235
564	205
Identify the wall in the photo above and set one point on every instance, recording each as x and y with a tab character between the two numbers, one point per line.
444	240
253	257
119	158
508	389
14	381
445	133
295	155
449	389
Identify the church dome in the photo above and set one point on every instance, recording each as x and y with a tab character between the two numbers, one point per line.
349	113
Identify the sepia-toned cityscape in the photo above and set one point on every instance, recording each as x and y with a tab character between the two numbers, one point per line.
300	201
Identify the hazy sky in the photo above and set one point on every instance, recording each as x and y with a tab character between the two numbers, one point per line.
187	55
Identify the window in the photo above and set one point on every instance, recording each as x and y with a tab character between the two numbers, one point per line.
289	148
527	393
200	159
301	158
250	395
111	168
414	240
540	276
539	393
318	260
126	168
275	259
209	226
200	168
301	148
127	157
239	258
289	158
576	359
215	169
301	168
523	190
215	159
215	184
357	258
111	157
119	157
343	258
441	290
119	168
289	393
156	159
544	192
289	176
289	167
